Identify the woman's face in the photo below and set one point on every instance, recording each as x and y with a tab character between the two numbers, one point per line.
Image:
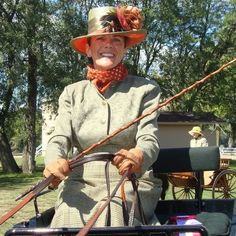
196	135
107	51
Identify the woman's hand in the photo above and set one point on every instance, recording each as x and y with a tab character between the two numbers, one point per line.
59	168
131	160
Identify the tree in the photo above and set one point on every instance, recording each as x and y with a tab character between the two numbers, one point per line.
190	52
8	74
30	15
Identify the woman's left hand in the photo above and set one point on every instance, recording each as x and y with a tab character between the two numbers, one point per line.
131	160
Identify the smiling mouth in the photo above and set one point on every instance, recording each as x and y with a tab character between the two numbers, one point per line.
107	55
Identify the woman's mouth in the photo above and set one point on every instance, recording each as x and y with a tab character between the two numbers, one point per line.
108	55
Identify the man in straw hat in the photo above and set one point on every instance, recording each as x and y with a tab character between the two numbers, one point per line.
198	139
91	109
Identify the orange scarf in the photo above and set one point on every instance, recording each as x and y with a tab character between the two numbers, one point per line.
103	79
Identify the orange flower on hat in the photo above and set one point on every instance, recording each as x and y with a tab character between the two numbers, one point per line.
129	17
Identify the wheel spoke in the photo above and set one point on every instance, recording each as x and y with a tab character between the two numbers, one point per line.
183	193
225	185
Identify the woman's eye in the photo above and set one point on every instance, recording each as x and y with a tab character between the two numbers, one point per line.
99	39
117	40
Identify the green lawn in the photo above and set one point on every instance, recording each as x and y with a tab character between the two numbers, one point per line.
12	185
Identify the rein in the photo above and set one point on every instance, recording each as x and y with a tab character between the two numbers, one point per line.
136	202
32	192
94	218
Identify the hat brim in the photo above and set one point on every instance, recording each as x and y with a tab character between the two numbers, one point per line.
133	38
194	132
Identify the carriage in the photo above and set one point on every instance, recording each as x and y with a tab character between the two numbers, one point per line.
214	216
221	182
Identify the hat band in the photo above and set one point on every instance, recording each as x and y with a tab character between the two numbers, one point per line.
95	26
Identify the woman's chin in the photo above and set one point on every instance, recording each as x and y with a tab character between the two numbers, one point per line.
105	64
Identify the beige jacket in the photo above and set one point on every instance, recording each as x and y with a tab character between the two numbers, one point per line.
84	117
199	142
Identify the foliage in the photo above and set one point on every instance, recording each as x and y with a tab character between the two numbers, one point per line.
15	122
193	50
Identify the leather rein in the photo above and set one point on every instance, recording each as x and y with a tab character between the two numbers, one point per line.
128	217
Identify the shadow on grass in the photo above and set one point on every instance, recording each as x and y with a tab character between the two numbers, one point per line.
13	180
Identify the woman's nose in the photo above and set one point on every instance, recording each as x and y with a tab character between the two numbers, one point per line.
108	43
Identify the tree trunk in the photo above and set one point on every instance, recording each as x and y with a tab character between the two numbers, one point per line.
28	165
6	157
233	126
28	162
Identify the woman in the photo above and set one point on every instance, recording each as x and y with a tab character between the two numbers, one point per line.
198	139
91	109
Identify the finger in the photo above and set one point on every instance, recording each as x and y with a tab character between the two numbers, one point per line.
54	184
120	156
59	168
63	171
131	165
118	159
59	175
133	158
122	152
126	165
64	168
46	173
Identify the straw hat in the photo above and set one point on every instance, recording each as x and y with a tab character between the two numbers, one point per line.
195	130
124	21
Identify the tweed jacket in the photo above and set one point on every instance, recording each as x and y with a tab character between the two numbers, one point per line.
85	116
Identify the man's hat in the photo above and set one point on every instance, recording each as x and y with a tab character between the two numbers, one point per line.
196	130
124	21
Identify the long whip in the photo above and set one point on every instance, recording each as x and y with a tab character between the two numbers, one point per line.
167	101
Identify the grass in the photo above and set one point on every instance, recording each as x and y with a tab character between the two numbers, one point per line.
12	185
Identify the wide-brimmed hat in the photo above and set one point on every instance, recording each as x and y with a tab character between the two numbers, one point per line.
123	20
196	130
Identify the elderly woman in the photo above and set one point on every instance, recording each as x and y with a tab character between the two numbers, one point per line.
198	139
91	109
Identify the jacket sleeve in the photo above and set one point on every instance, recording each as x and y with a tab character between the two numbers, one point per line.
59	145
147	135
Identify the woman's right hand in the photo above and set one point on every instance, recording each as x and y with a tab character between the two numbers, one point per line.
131	160
59	168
